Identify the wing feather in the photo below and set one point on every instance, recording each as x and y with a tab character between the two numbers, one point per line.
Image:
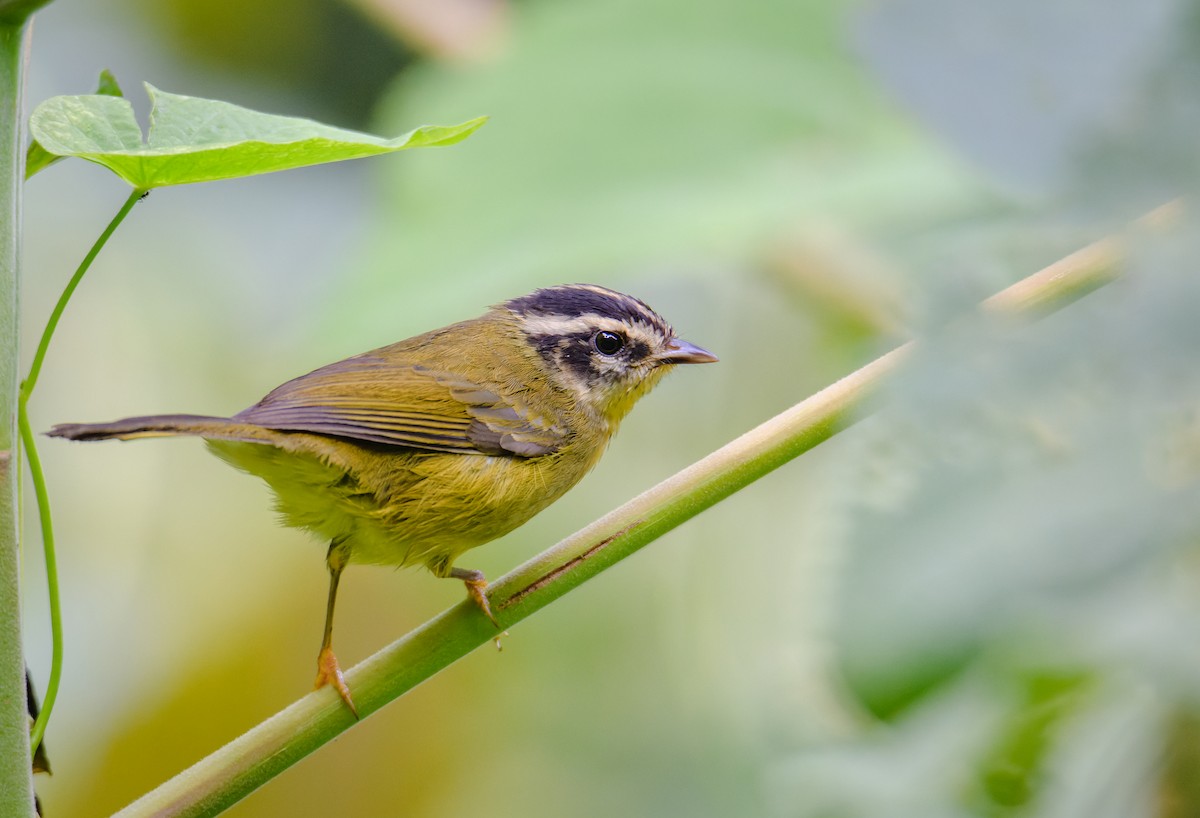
371	400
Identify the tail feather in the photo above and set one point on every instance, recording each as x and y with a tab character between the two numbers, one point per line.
165	426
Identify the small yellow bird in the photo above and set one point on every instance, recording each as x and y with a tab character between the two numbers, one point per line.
421	450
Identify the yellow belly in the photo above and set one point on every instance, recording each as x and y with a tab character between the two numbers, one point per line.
402	507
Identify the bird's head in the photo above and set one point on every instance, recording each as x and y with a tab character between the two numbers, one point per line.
607	347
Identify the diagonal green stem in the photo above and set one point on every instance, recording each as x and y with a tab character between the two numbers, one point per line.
39	357
37	476
248	762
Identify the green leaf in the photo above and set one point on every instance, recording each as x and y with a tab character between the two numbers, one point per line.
38	158
201	140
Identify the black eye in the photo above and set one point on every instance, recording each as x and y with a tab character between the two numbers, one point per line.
608	343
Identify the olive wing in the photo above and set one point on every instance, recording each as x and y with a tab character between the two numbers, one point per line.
370	400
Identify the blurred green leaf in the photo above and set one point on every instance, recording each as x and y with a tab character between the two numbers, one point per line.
1028	515
38	158
638	134
1179	788
1013	774
1049	99
1027	464
201	140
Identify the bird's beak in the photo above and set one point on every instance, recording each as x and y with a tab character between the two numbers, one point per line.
682	352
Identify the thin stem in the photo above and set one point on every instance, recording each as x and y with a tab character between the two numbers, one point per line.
56	631
37	476
246	763
35	369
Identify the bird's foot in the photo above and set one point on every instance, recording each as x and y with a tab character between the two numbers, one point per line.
329	672
477	586
477	590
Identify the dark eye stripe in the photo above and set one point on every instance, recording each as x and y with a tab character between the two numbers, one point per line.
636	347
573	352
579	354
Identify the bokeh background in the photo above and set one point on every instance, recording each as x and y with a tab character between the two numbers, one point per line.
980	601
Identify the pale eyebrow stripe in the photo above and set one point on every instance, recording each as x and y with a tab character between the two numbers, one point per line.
541	325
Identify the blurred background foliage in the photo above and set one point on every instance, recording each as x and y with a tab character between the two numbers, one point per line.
980	602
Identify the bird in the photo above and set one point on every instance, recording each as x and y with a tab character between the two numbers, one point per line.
414	453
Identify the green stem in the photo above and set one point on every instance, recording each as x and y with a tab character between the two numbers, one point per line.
16	774
16	12
37	476
251	760
56	631
35	369
246	763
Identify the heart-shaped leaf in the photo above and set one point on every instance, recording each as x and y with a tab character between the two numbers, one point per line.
201	140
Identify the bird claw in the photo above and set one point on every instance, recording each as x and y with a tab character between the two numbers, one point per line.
329	672
477	586
477	590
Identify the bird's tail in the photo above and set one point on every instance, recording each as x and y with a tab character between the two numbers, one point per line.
166	426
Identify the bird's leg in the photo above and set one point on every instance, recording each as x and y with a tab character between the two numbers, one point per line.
328	670
477	585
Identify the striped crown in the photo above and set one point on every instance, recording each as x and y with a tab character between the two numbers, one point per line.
599	339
